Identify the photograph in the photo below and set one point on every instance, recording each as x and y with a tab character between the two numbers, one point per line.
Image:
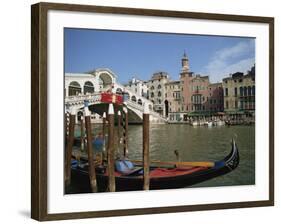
157	110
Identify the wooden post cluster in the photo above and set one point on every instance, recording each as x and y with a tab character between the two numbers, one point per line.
91	157
125	131
146	163
68	152
110	149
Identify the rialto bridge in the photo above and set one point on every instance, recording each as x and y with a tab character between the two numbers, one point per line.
89	88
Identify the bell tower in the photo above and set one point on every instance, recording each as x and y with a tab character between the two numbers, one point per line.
185	63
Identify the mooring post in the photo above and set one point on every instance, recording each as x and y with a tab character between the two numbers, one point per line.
92	170
82	133
69	146
66	126
118	131
146	147
125	133
103	124
103	135
110	148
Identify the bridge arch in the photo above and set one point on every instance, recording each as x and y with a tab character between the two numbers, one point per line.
89	87
106	78
74	88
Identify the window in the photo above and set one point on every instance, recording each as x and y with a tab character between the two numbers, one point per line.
241	91
236	104
159	94
152	87
226	91
245	91
226	104
249	91
152	95
253	90
235	91
159	87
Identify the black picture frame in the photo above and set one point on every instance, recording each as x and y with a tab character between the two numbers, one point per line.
39	108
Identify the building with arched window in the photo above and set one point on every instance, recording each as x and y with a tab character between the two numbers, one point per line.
138	87
156	86
243	100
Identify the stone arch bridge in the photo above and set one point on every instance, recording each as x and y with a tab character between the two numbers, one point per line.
89	88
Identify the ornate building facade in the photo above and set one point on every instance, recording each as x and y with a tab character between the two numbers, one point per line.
157	91
239	92
199	95
173	99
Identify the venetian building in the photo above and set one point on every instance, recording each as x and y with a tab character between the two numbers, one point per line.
215	98
194	88
239	92
198	94
156	91
138	87
173	100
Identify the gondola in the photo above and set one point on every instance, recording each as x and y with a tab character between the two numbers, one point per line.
161	177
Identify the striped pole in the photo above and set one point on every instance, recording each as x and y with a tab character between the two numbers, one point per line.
125	131
68	152
118	132
67	121
91	156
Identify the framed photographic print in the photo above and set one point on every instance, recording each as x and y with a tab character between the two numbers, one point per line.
139	111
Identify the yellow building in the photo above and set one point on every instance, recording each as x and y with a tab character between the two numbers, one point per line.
239	92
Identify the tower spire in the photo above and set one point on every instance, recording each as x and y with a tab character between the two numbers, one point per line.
185	63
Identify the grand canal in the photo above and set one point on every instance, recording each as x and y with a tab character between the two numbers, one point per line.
196	144
200	144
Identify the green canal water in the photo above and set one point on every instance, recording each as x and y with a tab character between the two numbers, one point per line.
197	144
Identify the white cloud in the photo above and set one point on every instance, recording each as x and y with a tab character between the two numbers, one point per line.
230	60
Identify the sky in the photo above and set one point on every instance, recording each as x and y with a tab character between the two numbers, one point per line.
140	54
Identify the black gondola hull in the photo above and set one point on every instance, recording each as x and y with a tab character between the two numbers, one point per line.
134	183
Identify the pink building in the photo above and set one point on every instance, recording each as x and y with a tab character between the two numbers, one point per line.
199	95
